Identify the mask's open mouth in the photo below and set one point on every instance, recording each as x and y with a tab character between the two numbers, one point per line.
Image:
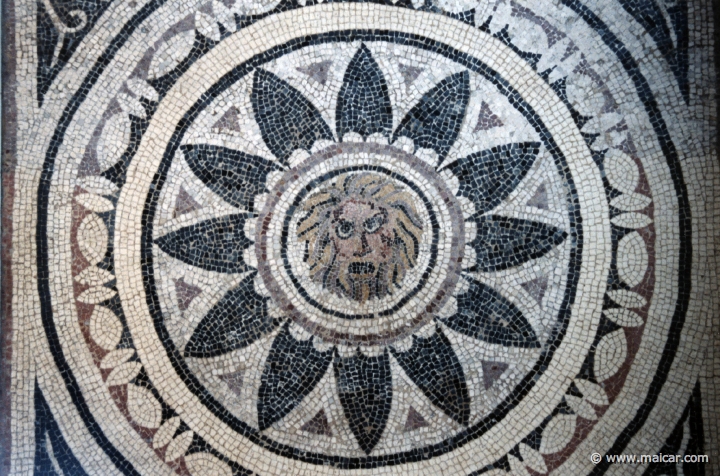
361	268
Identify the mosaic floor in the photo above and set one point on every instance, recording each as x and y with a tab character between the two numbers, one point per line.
407	237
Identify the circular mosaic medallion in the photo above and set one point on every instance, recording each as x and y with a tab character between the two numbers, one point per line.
381	237
372	246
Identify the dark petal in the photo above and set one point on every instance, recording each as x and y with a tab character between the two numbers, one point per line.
365	391
215	245
236	176
434	123
287	120
363	104
485	315
504	242
432	364
292	369
236	321
488	177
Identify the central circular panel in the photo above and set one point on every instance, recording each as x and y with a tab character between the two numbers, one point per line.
361	246
364	231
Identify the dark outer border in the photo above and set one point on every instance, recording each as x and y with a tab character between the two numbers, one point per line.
685	227
9	131
416	454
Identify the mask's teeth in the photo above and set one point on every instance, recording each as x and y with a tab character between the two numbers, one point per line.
405	143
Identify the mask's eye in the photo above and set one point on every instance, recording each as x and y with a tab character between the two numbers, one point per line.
374	223
345	229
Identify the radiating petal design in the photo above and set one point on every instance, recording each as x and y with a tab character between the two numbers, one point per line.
488	177
363	104
292	369
484	314
215	245
287	120
236	321
365	391
236	176
432	364
503	242
434	122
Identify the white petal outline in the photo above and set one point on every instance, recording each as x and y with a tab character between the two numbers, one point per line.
123	374
94	276
116	357
405	143
452	182
178	446
610	355
321	144
171	53
352	137
624	317
250	257
165	433
298	157
94	203
98	185
250	228
378	138
207	26
581	407
322	346
144	409
299	333
470	257
592	392
259	285
114	140
140	87
630	202
131	106
105	328
429	156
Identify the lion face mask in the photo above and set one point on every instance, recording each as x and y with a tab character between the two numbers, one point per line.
362	234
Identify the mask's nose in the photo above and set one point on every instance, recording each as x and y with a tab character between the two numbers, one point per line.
364	247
